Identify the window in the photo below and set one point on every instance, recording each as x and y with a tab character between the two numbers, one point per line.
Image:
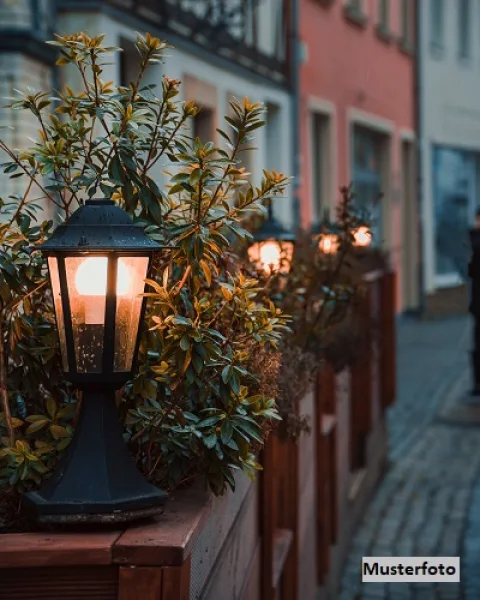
455	197
127	64
203	125
464	28
407	15
354	11
368	149
437	23
384	14
320	164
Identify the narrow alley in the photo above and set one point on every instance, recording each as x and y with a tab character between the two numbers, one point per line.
427	503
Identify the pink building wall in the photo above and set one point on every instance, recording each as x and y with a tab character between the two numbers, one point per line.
351	73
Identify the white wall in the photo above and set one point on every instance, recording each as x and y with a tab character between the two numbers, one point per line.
181	64
450	103
19	127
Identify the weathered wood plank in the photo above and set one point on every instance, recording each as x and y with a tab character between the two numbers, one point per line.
388	383
169	540
176	582
268	515
361	391
44	549
289	492
140	583
282	541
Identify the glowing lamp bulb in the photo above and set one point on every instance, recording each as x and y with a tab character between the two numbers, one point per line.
91	281
270	256
328	243
362	236
91	277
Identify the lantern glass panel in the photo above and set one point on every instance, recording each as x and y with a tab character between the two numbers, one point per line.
129	309
87	290
57	302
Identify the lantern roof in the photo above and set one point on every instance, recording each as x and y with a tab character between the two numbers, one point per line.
325	227
99	226
271	229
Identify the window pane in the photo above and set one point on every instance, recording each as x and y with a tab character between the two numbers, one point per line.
454	203
437	16
367	179
57	299
464	28
383	12
132	270
87	286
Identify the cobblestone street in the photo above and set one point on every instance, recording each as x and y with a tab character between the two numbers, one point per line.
428	503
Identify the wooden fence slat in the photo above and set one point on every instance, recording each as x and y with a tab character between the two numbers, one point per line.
288	514
361	391
143	583
268	515
176	582
332	454
388	382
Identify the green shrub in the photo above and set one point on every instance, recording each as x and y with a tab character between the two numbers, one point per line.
204	398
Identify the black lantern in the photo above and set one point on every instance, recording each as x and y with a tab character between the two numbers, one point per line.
272	247
98	261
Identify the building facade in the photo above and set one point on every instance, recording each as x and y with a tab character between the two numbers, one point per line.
358	121
448	63
221	50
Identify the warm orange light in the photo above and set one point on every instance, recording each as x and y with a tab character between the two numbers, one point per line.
271	256
91	282
91	277
328	243
362	237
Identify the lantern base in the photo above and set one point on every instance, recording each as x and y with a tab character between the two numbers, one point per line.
121	516
97	479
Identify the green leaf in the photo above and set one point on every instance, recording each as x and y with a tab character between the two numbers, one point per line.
208	422
63	443
226	432
149	389
58	432
37	426
251	430
185	343
181	321
210	441
227	373
51	407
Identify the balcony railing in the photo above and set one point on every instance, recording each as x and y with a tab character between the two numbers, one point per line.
251	33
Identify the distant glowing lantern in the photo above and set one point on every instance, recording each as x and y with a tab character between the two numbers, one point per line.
362	236
328	243
326	234
272	248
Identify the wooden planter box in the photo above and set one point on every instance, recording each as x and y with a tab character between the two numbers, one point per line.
285	535
188	552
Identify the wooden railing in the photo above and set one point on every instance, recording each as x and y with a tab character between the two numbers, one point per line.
272	539
372	380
